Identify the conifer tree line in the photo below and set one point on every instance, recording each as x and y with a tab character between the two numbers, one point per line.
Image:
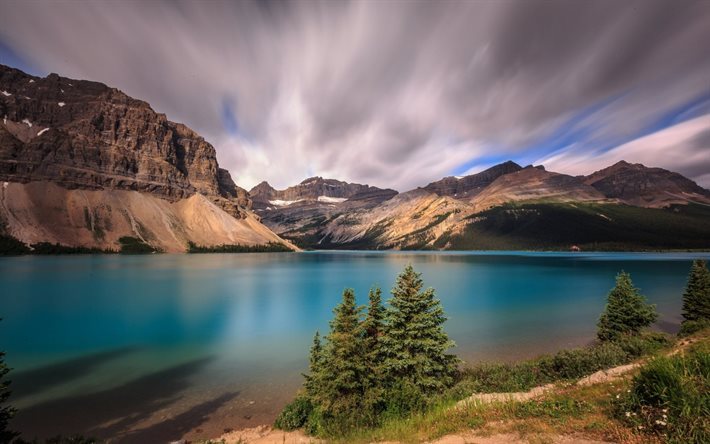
375	360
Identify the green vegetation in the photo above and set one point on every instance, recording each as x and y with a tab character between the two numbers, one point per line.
565	365
696	299
6	411
11	246
388	364
271	247
591	226
46	248
133	245
670	397
386	374
626	312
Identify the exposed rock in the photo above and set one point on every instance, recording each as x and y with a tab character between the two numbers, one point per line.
534	183
469	186
636	184
44	211
316	189
86	164
303	209
86	135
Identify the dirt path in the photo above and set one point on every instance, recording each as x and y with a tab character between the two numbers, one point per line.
267	435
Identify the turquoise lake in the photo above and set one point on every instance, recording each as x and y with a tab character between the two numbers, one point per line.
153	348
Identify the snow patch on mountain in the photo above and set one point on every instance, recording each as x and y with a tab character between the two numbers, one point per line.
328	199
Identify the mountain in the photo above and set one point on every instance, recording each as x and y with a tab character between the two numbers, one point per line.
638	185
117	167
299	211
534	183
469	186
504	207
316	189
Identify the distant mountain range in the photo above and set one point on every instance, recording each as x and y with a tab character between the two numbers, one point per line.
624	206
83	164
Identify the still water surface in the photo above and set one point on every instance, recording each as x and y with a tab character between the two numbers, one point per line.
151	348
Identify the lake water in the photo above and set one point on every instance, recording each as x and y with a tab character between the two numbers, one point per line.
152	348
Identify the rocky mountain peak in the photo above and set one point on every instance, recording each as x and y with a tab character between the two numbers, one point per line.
469	186
316	189
83	134
637	184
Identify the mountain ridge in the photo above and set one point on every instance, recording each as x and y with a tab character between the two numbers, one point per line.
440	215
87	137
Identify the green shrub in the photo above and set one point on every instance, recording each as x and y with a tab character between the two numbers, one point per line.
294	415
645	344
570	364
132	245
564	365
687	328
671	397
11	246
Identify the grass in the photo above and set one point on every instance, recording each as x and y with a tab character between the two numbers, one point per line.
584	408
595	411
670	397
563	366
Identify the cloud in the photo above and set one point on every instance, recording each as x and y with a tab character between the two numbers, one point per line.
394	94
684	148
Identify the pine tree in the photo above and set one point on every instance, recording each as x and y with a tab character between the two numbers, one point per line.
696	299
374	323
315	374
343	370
414	343
626	311
373	329
6	411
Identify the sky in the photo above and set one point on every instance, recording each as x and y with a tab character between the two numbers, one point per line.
393	93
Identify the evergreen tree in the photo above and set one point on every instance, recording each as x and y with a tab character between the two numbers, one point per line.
6	411
344	370
373	329
626	311
696	299
373	326
312	383
414	343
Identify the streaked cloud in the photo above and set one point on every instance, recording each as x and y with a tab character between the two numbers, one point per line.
389	93
684	147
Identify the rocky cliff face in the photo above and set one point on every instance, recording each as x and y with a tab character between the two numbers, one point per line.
469	186
441	215
86	135
638	185
534	183
83	164
302	210
316	189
